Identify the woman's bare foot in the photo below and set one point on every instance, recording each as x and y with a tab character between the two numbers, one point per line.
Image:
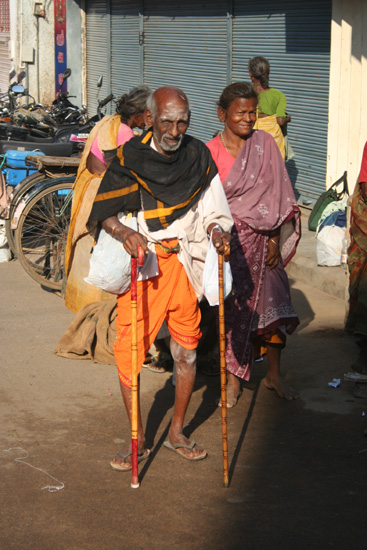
280	386
234	391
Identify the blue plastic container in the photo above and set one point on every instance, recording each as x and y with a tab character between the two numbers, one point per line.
16	168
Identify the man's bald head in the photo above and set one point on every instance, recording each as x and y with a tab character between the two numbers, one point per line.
168	113
165	94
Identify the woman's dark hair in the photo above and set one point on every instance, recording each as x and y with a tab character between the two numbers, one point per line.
236	90
133	103
259	68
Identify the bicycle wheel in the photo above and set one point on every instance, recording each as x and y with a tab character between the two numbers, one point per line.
19	192
40	238
24	191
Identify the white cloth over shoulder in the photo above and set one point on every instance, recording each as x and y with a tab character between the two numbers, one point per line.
191	230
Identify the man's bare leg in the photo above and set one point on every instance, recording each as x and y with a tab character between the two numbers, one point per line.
273	379
126	396
185	361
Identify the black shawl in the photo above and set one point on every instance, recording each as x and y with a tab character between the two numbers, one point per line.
165	187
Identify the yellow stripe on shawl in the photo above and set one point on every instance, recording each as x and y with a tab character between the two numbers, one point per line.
120	155
142	182
116	193
147	137
162	213
162	219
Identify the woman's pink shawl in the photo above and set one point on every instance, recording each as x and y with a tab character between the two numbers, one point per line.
261	200
260	193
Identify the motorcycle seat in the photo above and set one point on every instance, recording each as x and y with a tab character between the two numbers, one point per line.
36	139
51	149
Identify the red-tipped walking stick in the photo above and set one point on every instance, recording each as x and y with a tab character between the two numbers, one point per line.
134	369
223	371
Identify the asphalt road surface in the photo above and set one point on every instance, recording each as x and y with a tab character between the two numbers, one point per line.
297	469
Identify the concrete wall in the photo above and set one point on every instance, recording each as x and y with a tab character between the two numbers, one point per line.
37	34
33	48
347	131
74	50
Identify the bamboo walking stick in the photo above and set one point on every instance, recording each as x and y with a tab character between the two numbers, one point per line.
134	369
223	371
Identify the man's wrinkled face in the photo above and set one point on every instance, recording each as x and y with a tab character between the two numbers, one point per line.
170	123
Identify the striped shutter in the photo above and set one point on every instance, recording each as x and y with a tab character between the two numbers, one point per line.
4	45
98	53
4	62
185	45
295	37
125	49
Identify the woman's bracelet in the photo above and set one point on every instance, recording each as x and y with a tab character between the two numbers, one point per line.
275	242
217	227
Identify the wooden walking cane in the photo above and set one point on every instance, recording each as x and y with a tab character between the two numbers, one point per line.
134	369
223	371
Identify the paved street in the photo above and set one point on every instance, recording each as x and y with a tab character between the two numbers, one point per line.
297	469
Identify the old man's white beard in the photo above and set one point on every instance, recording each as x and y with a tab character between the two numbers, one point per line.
165	147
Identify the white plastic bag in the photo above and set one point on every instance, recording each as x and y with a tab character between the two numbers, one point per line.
110	264
4	247
210	276
329	244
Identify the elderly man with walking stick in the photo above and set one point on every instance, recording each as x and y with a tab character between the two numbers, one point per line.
170	180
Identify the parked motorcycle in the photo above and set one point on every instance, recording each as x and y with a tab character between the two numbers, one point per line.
45	193
9	100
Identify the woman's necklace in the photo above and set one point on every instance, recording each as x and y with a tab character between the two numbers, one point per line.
224	144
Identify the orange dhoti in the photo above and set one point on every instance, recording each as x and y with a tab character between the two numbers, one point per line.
169	296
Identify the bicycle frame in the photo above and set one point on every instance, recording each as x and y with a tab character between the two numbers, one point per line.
52	167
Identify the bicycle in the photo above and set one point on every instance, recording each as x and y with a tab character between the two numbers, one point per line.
40	237
14	199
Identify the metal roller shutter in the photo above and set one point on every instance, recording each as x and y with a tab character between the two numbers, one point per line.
4	62
125	59
295	37
98	52
4	45
185	45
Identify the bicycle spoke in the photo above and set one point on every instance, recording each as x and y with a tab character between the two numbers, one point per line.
43	233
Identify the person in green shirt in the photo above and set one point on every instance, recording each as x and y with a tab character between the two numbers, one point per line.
272	105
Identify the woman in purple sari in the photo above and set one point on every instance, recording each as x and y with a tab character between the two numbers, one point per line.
259	313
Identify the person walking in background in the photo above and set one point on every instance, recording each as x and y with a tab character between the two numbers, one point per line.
266	231
100	148
357	263
272	103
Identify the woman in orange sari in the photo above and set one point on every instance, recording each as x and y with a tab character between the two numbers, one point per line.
106	136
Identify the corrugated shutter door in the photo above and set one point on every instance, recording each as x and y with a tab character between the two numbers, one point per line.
185	45
4	62
295	37
98	56
125	71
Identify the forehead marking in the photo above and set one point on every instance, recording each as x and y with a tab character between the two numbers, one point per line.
173	113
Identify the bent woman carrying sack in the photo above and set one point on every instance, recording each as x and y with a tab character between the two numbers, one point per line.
106	136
